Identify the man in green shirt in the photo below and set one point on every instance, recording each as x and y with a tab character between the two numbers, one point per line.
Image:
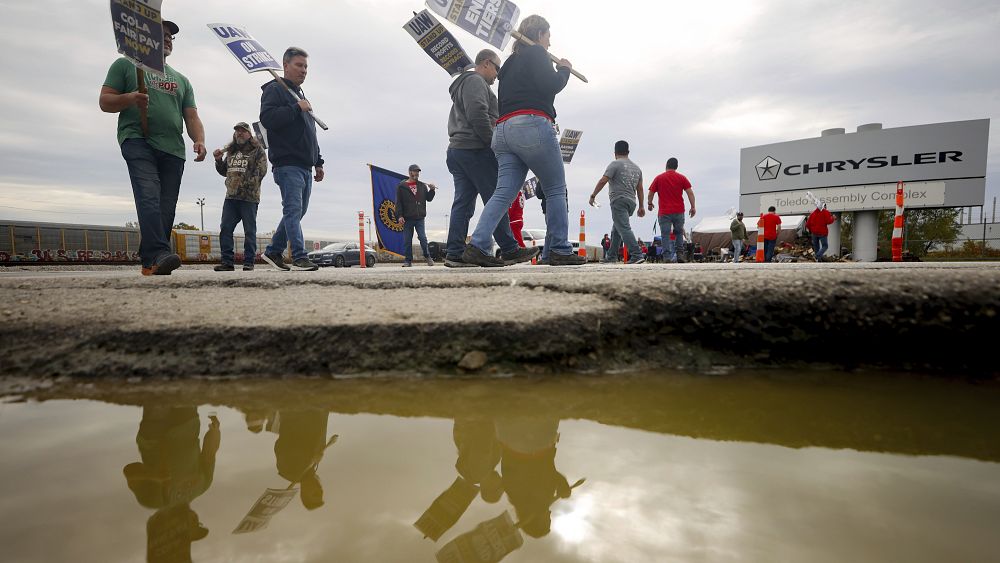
739	232
155	162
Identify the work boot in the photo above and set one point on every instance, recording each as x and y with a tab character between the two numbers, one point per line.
275	260
567	260
473	255
247	267
407	264
457	263
165	264
304	264
520	255
224	268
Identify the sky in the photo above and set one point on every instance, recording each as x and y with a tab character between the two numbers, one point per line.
693	80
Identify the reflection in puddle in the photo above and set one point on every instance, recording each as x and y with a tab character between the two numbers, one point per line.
630	469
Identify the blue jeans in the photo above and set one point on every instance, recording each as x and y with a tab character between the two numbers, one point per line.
621	231
521	143
769	249
408	228
234	211
156	183
475	173
295	184
737	250
820	246
672	222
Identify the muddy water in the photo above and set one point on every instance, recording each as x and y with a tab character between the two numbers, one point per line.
746	467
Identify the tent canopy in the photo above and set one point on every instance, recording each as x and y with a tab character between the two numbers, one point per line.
712	233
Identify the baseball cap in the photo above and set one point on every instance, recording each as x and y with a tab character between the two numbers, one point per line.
242	125
171	27
414	167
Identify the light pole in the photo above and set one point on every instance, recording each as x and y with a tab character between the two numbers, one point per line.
369	219
201	203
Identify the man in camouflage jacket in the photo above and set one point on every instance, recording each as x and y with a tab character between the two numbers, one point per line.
244	166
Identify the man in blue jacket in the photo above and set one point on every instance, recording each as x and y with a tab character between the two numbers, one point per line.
293	152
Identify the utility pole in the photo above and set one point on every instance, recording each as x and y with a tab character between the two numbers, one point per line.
370	239
201	203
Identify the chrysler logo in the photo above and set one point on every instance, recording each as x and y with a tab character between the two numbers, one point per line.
768	169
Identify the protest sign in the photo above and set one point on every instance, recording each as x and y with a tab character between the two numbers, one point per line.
139	33
240	44
493	21
446	509
529	187
269	504
490	20
568	143
489	542
253	57
438	42
260	133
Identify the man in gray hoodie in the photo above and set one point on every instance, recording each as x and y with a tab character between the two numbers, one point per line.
471	161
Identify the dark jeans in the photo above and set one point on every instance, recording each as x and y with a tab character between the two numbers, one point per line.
475	173
769	249
820	245
295	184
408	228
234	211
156	183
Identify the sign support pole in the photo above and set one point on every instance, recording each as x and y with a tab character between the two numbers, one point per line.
140	79
296	96
520	37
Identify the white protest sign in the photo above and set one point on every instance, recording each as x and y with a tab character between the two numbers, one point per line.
139	33
438	42
253	57
241	45
269	504
490	20
568	143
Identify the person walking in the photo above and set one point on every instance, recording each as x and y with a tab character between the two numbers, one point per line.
739	233
606	245
525	139
818	223
412	196
771	223
155	156
626	185
671	186
472	163
294	153
244	165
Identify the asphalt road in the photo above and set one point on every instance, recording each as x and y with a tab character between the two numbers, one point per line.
110	321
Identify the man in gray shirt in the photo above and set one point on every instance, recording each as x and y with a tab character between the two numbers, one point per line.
471	161
626	183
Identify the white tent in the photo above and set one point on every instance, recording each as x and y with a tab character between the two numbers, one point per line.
712	233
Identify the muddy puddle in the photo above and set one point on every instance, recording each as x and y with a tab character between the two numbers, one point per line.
652	467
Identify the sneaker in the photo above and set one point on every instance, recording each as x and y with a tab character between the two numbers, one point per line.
457	263
165	264
247	267
473	255
407	264
520	255
275	260
305	265
636	260
567	260
430	261
224	268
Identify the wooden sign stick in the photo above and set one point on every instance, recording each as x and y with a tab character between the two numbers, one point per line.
140	78
296	96
517	35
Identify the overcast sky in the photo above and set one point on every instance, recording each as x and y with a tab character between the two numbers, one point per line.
694	80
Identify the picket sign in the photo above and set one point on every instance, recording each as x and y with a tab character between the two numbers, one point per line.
253	57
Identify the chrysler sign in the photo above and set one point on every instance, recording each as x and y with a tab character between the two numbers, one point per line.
952	155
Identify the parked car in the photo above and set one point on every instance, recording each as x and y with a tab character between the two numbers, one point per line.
538	236
343	254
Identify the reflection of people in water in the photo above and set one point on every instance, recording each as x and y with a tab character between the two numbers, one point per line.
173	472
299	449
529	472
478	456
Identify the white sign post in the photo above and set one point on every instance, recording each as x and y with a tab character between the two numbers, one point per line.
253	57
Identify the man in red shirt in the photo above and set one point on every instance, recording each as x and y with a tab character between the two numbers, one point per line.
771	223
671	185
516	214
818	223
